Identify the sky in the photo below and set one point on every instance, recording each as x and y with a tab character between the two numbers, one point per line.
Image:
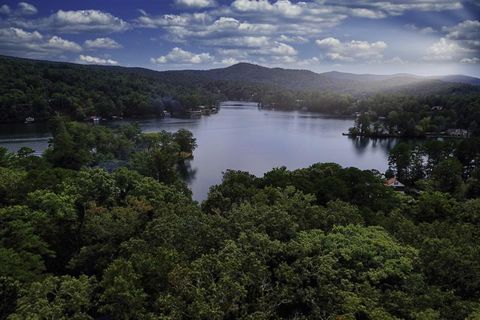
424	37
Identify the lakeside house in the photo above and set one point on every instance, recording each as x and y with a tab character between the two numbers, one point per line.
29	119
194	114
95	119
459	133
394	183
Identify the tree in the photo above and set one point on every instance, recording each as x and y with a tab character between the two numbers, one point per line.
185	141
60	298
122	296
447	176
363	123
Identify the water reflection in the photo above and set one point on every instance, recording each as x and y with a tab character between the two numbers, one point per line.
186	172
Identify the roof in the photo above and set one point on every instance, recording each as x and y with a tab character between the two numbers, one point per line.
393	182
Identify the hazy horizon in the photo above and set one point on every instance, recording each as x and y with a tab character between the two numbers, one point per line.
260	65
425	38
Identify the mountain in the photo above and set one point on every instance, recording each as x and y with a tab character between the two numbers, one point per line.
40	89
458	78
331	81
291	79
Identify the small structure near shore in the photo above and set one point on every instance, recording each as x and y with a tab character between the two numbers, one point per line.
29	119
394	183
459	133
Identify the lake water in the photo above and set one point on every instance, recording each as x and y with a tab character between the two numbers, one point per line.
242	137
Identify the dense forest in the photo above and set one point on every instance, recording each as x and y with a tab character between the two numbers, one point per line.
418	116
102	227
42	90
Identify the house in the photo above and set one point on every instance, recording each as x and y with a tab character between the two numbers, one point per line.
459	133
194	114
29	119
394	183
95	118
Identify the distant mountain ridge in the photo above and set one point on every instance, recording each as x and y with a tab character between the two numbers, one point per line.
293	79
328	81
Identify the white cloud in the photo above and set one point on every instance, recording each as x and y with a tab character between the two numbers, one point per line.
283	7
367	13
281	49
424	30
293	39
56	42
195	3
237	54
5	9
466	34
26	9
445	50
172	20
180	56
473	60
19	35
328	43
77	21
102	43
397	7
17	41
252	42
95	60
229	61
351	51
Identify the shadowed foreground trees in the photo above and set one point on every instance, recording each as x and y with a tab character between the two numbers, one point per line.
323	242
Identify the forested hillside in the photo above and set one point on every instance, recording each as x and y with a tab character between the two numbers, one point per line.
101	227
42	89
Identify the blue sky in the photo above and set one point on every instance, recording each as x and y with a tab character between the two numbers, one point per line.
426	37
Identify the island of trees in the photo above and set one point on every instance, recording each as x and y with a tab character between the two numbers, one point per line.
102	227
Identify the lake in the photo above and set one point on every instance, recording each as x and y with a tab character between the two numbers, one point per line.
243	137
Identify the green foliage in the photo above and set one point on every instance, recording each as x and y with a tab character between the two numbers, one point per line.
323	242
416	115
445	166
57	298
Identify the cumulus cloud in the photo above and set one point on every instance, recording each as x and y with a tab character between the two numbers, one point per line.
229	61
17	41
102	43
280	49
23	9
445	50
473	60
19	35
96	60
466	33
5	9
26	9
195	3
77	21
293	39
282	7
394	8
56	42
180	56
172	20
460	43
354	50
246	18
422	30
